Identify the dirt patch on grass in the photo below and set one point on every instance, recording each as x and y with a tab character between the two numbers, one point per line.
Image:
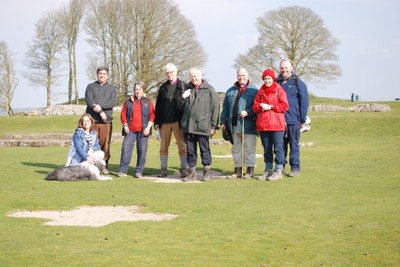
94	216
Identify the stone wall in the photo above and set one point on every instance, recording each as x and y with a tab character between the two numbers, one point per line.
357	108
59	110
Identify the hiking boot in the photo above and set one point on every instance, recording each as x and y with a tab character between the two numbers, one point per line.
138	175
121	174
163	173
183	172
249	173
294	173
276	175
266	175
236	173
191	176
184	167
206	173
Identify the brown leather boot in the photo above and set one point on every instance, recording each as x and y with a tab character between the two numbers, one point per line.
163	173
191	176
237	173
249	173
183	172
206	173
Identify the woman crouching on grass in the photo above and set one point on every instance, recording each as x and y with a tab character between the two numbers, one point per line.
270	104
84	143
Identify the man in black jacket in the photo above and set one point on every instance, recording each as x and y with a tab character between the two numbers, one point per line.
168	118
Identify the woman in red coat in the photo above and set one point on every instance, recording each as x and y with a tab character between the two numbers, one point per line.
270	104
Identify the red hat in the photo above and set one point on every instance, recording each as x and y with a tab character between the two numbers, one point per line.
268	72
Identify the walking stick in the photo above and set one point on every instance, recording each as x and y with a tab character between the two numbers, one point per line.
242	146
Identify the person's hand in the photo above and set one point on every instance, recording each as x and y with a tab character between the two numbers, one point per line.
90	160
146	131
244	113
223	127
186	94
96	108
212	132
156	126
126	129
103	116
265	106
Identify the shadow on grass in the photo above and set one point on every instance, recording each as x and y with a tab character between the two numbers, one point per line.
40	165
49	166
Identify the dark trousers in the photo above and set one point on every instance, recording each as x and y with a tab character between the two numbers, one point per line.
292	140
127	148
191	143
104	132
273	144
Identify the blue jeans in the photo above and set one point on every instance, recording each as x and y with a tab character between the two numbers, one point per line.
273	142
292	138
191	142
127	148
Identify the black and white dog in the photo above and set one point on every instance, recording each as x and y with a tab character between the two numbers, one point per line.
83	171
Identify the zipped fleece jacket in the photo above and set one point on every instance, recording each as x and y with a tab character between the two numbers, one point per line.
273	119
162	99
200	110
245	103
104	95
297	97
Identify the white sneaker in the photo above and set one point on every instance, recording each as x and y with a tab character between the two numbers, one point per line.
265	176
276	175
121	174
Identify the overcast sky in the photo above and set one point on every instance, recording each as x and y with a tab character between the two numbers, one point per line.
368	31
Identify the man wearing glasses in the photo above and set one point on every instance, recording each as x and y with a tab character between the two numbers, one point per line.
168	118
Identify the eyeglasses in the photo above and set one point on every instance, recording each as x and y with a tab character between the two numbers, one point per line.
169	72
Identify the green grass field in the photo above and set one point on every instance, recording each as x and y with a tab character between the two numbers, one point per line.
344	209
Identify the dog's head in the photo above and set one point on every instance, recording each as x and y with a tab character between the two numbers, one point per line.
99	163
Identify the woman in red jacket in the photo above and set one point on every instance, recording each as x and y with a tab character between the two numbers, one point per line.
270	104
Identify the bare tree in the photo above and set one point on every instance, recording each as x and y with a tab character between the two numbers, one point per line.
8	79
43	55
71	16
298	34
102	26
137	37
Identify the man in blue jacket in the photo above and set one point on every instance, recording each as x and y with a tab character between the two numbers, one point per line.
297	94
237	115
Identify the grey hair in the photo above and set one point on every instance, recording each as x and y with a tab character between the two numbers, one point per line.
195	70
287	61
242	69
170	67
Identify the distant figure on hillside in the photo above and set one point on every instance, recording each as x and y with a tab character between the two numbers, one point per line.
296	116
101	97
237	115
168	118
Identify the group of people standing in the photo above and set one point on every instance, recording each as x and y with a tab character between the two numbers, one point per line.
191	112
276	112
